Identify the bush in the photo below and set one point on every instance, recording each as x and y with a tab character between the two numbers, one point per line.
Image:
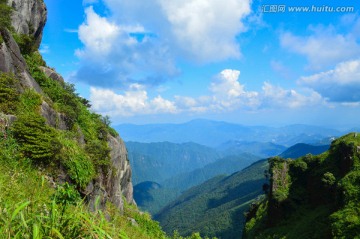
9	96
37	140
5	15
78	165
25	42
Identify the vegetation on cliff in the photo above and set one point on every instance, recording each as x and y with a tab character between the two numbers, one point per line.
312	197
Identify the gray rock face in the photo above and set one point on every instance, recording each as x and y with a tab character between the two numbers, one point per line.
52	117
12	61
29	17
52	74
115	183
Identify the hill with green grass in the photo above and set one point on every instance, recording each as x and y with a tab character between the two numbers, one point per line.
312	196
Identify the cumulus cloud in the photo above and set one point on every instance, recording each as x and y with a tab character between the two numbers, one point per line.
114	54
275	97
226	94
198	29
204	29
133	102
341	84
323	47
98	35
140	41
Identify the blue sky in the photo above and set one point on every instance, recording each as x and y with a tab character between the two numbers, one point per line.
250	62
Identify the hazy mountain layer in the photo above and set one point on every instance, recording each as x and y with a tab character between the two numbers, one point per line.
214	133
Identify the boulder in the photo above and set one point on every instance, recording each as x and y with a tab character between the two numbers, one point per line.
52	74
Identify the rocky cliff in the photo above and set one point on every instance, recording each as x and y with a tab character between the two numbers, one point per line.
29	17
312	196
112	181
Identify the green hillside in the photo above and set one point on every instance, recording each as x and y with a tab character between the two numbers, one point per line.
216	207
312	197
152	197
223	166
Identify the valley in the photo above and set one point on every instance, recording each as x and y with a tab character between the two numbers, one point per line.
215	184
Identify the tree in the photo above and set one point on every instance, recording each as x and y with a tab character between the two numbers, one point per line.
37	140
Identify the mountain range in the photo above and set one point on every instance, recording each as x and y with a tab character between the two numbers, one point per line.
217	206
215	133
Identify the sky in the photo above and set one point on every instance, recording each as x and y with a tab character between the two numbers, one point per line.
261	62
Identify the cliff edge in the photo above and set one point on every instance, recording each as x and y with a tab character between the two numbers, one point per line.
88	153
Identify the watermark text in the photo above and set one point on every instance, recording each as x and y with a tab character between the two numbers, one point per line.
279	8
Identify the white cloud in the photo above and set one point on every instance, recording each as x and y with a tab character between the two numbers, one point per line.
205	29
226	94
341	84
97	34
160	105
227	85
115	54
138	41
198	29
133	102
323	48
277	97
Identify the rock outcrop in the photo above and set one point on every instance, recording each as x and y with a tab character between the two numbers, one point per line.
112	184
52	74
116	183
11	61
29	17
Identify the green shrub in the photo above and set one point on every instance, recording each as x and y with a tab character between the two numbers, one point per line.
9	96
25	42
5	15
78	165
346	222
37	140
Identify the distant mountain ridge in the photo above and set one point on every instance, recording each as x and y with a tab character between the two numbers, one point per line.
160	161
215	133
260	149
